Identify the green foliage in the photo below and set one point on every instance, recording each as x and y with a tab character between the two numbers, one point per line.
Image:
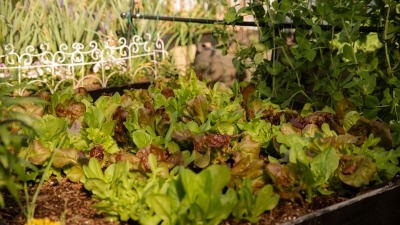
331	58
178	199
137	152
97	136
119	193
183	197
362	175
65	23
194	125
51	130
51	22
13	170
323	165
250	206
14	19
314	158
385	161
140	149
186	198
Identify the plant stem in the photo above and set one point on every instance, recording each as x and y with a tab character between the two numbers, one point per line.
389	69
30	210
300	92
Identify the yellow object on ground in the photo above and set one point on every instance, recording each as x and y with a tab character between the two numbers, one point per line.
42	221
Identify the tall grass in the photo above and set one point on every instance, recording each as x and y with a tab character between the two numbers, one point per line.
17	24
32	22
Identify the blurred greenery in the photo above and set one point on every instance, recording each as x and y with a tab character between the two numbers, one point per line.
34	22
13	170
26	23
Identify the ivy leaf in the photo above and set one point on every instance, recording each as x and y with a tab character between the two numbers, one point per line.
371	101
310	54
348	52
259	58
367	84
231	15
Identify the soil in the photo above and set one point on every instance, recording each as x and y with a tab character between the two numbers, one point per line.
70	202
56	200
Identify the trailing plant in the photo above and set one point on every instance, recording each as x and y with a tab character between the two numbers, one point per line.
332	58
12	169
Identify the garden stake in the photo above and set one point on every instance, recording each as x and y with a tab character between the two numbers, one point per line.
130	16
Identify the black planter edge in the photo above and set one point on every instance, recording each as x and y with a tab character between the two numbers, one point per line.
376	207
95	94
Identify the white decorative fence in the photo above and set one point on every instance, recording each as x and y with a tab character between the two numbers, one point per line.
73	65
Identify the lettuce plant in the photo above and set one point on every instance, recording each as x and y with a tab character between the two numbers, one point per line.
186	199
157	155
250	206
119	193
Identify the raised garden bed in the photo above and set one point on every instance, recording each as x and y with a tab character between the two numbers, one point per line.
377	206
72	202
316	141
374	206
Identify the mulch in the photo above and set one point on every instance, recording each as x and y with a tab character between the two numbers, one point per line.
70	203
